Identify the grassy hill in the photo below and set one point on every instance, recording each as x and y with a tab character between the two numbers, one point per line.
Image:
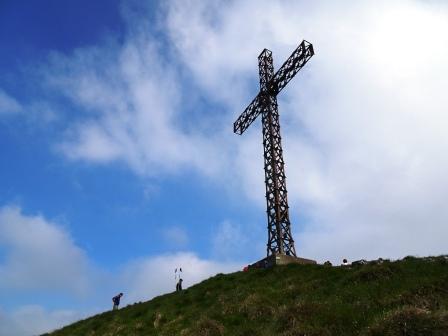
407	297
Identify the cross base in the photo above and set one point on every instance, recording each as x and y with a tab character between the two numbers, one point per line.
281	259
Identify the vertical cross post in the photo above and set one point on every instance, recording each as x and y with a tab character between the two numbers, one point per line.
279	228
265	103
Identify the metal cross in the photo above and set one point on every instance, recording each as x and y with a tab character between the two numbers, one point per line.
280	240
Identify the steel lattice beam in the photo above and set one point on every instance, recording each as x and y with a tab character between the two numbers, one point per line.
265	103
287	71
291	67
247	117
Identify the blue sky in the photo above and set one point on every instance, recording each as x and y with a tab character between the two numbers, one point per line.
119	208
119	162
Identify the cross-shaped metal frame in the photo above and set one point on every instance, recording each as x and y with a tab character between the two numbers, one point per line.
280	240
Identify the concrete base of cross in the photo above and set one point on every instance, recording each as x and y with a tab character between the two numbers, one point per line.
281	259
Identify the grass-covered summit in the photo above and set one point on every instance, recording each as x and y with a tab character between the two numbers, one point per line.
406	297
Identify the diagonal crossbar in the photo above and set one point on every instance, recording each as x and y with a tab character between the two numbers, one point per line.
299	57
247	117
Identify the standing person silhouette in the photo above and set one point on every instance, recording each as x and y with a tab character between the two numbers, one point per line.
179	285
177	275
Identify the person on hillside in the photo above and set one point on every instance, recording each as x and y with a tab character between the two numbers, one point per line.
179	285
116	301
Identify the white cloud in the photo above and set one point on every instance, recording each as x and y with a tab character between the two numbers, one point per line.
374	134
148	277
133	96
176	236
35	113
34	320
39	256
139	280
8	105
363	124
232	241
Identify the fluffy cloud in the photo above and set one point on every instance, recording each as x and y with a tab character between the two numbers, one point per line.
139	280
133	96
34	320
363	123
232	241
147	277
8	105
368	168
39	256
175	236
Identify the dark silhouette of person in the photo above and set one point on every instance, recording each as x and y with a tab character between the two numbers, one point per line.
179	285
116	301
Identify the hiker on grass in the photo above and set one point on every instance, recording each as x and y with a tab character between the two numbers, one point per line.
116	301
179	285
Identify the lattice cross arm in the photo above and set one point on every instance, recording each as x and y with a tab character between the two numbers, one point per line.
289	69
248	116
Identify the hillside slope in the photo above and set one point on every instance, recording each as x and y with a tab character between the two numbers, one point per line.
407	297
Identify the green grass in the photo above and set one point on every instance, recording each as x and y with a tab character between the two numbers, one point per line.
407	297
